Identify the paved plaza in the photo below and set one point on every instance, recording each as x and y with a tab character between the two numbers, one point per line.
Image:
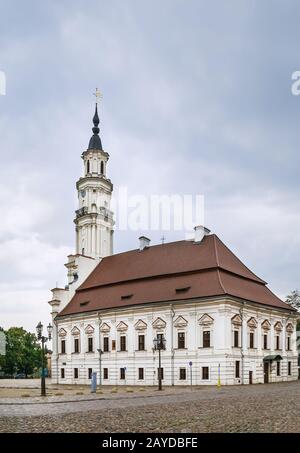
256	408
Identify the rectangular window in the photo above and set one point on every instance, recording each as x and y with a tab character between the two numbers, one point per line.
182	374
205	373
181	340
122	343
113	345
141	374
278	368
251	340
63	346
289	368
277	342
62	373
141	342
235	338
265	341
75	373
288	343
161	373
206	339
105	373
90	344
122	373
90	372
76	345
237	369
160	337
105	344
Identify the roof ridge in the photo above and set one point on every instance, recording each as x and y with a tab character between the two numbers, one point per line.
256	278
216	251
220	280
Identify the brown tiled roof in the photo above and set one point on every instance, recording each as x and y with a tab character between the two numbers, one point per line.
175	271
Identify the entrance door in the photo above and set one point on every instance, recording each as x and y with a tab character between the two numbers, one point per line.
250	377
266	372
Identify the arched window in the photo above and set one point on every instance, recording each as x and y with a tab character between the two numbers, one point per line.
88	166
102	168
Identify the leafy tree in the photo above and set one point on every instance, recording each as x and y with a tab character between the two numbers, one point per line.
293	299
23	352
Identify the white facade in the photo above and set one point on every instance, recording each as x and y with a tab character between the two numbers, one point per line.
224	339
209	361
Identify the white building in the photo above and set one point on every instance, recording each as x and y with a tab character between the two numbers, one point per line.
219	319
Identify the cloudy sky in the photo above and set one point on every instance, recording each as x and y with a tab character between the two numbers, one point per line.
196	100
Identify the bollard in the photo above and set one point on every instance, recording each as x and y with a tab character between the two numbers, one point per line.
94	382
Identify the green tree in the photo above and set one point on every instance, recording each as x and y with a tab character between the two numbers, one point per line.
23	352
293	299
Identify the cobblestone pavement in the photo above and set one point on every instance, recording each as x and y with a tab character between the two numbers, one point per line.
256	408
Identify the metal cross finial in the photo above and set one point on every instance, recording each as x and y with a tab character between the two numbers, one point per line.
98	95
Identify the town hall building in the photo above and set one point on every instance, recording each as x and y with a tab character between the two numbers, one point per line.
220	322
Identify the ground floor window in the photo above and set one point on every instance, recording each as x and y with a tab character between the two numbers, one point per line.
62	373
289	368
105	373
237	369
141	374
205	373
122	373
182	374
90	372
75	373
278	368
161	373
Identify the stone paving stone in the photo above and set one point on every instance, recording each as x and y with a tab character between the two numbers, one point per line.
257	408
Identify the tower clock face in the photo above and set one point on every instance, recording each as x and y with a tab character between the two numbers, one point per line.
82	193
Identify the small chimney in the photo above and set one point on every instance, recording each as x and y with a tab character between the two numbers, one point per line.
200	232
144	242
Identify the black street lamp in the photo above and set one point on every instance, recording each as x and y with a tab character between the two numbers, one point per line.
159	344
43	340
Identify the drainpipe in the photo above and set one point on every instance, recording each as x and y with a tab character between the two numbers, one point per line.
100	351
56	345
242	342
172	345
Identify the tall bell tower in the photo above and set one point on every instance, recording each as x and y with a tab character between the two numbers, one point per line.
94	219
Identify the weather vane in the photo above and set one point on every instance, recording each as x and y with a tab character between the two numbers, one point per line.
98	95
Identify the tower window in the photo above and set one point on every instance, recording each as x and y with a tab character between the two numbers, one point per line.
88	166
102	168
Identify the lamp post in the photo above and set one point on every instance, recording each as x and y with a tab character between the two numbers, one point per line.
100	366
159	344
43	340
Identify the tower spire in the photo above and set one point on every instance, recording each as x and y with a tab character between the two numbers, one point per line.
95	141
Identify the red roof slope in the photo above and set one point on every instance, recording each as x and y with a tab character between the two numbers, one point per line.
175	271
